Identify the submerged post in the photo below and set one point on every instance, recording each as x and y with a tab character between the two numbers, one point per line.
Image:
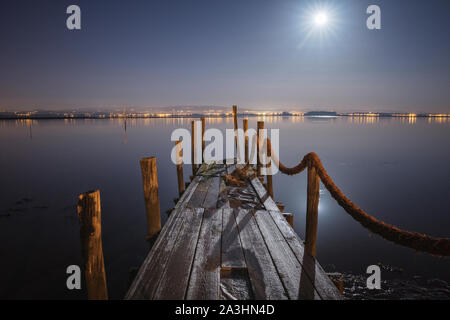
260	127
151	195
236	140
203	139
245	125
179	152
89	217
194	167
312	210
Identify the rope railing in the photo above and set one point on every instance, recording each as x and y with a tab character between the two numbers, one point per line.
414	240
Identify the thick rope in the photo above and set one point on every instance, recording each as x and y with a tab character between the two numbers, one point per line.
413	240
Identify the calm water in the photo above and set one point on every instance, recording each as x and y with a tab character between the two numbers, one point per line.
396	169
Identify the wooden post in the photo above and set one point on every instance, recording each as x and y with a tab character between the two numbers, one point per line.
151	195
312	210
203	139
289	218
338	280
179	152
194	167
280	206
245	125
236	140
260	126
269	165
89	217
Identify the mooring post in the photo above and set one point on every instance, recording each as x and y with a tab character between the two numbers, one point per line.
245	125
312	210
236	139
151	195
203	139
260	127
194	167
89	217
269	171
289	218
179	152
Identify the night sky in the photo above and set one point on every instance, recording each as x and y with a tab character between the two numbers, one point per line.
254	53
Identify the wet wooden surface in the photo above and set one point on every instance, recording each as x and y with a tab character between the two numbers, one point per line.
224	241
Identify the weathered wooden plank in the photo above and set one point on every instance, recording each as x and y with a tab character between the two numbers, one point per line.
235	285
324	286
199	195
175	277
264	277
213	193
153	263
296	282
187	195
232	254
204	283
146	281
223	201
262	193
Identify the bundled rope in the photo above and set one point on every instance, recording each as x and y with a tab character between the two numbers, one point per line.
414	240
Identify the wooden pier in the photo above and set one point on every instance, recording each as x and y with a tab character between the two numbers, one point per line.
227	239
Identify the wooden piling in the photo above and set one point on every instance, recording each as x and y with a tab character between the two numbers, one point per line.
179	152
312	210
280	206
235	122
338	280
268	166
151	195
194	166
289	218
245	125
260	126
203	139
89	217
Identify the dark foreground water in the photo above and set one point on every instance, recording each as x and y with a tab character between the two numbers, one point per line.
396	169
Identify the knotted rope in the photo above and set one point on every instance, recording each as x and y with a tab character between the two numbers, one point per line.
413	240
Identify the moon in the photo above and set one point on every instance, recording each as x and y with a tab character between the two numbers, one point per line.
320	19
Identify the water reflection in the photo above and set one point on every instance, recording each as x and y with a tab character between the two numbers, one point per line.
67	157
439	120
363	119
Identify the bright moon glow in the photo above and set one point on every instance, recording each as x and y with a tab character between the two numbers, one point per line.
318	23
321	19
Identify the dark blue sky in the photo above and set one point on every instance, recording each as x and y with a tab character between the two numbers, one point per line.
253	53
